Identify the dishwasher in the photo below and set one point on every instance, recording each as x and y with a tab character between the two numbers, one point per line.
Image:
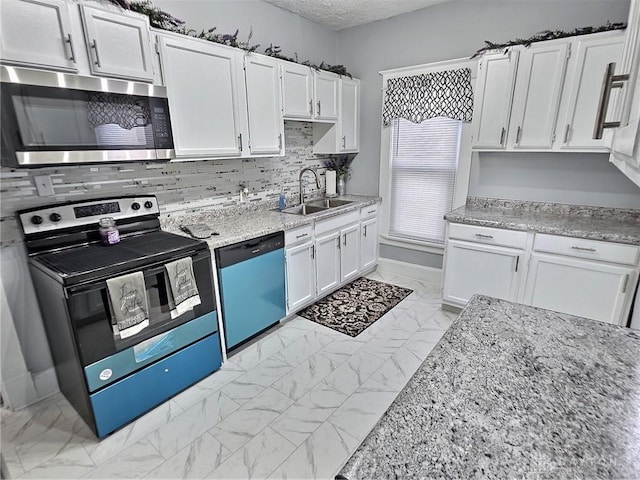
252	286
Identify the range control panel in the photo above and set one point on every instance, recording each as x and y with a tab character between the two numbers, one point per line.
66	215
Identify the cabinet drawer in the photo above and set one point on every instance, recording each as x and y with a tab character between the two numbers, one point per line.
337	222
301	234
584	248
121	402
490	236
369	211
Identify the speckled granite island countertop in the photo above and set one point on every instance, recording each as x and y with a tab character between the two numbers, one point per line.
512	391
244	223
596	223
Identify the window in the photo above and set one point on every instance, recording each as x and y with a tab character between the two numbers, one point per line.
424	159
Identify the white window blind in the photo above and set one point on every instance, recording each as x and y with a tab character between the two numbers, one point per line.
424	158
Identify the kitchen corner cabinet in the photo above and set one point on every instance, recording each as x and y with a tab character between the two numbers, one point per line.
37	33
264	106
581	94
536	98
325	92
206	97
119	45
297	91
494	92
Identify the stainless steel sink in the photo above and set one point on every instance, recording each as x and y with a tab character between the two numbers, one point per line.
330	203
304	209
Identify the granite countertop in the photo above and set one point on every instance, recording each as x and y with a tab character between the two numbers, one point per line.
596	223
244	224
512	391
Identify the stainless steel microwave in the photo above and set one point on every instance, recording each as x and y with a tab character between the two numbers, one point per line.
51	118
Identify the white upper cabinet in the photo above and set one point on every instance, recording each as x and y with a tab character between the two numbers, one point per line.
297	91
325	87
119	45
536	99
349	121
37	33
266	126
492	104
591	56
206	97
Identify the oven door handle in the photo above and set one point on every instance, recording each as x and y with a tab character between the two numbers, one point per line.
100	284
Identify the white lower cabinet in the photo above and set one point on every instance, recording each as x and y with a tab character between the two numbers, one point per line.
485	269
349	252
327	262
580	287
368	243
301	275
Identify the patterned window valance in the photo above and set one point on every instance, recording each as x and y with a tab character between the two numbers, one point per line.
439	94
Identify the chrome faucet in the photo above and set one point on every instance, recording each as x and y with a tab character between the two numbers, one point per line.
302	172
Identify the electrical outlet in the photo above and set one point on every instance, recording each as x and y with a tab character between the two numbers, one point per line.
44	185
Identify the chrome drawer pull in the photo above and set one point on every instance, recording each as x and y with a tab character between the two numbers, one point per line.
502	132
94	45
480	235
301	236
73	53
319	110
584	249
610	81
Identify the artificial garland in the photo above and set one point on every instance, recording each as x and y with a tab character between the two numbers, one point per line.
550	35
165	21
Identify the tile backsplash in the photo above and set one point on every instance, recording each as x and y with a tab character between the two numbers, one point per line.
178	186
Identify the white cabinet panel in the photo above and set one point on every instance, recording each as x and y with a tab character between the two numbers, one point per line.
579	287
492	104
266	126
485	269
536	99
327	262
349	122
297	91
206	97
584	82
119	45
37	33
349	252
368	243
301	275
326	95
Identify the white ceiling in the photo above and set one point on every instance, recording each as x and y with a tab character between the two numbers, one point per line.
340	14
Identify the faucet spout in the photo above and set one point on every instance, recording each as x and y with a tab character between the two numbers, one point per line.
302	172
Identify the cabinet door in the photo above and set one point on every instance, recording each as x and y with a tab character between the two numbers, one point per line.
208	113
536	99
37	33
485	269
592	57
368	243
349	137
297	91
492	103
119	45
266	126
579	287
326	95
327	262
301	275
349	252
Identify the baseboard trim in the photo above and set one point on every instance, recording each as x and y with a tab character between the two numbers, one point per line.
419	272
46	382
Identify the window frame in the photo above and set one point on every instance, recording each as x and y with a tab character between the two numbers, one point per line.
461	185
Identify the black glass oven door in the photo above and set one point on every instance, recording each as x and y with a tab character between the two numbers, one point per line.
90	311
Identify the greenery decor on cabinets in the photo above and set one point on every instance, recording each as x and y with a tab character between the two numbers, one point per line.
341	164
165	21
550	35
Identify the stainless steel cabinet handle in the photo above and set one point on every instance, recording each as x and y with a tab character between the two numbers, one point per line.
344	239
73	52
584	249
319	109
566	133
502	132
313	251
480	235
338	239
517	262
302	235
519	131
365	231
310	107
610	81
94	45
280	141
240	141
344	142
624	285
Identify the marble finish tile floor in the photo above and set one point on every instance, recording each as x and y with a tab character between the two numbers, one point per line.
294	404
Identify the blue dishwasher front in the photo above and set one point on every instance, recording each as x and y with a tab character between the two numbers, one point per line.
252	286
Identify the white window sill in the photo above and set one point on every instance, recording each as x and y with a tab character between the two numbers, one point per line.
428	247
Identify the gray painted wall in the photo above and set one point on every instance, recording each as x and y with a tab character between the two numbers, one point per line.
270	24
456	29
